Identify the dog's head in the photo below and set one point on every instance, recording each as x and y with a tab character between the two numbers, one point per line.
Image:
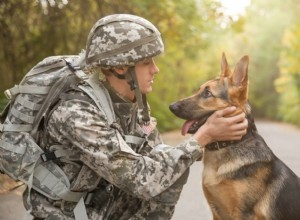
229	89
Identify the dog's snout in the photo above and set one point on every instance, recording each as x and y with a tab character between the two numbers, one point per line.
174	107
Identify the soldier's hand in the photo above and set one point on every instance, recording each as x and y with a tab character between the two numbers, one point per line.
221	128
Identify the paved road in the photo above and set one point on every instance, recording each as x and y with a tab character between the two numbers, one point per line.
282	138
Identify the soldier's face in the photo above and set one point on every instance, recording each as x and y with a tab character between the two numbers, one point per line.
145	71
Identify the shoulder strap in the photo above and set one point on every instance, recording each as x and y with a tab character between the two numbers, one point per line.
100	96
97	92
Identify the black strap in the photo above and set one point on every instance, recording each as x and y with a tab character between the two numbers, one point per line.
251	131
119	76
219	145
48	155
143	112
67	96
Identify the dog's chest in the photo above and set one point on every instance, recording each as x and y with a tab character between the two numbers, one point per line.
211	165
217	165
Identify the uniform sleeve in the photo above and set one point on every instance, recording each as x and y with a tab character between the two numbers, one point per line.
103	149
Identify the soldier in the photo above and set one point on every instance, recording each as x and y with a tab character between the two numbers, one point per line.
127	170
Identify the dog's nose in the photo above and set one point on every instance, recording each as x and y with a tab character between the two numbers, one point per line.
174	107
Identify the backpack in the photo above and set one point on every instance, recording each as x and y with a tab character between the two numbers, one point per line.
20	156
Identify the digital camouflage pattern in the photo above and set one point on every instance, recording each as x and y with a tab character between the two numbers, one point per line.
19	153
137	181
122	40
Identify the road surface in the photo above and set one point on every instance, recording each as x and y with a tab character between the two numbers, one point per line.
282	138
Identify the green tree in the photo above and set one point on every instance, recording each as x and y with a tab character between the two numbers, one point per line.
265	26
288	83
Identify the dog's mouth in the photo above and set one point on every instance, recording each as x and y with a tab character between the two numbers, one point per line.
195	117
191	126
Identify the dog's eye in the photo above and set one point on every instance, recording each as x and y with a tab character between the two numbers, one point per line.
206	93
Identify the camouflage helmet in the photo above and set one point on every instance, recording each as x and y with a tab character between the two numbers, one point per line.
122	40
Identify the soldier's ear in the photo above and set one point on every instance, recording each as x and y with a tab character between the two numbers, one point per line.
121	70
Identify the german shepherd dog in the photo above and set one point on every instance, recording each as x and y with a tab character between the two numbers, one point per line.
241	180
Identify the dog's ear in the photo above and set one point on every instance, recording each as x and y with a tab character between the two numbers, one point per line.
239	77
240	74
225	70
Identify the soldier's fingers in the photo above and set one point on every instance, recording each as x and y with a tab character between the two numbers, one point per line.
240	118
226	111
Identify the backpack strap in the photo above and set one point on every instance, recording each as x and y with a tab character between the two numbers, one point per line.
17	89
53	96
47	65
98	93
15	127
28	104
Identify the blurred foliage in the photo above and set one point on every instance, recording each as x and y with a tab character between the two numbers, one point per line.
288	83
195	33
266	22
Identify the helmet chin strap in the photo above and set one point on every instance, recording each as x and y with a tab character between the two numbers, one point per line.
119	76
143	111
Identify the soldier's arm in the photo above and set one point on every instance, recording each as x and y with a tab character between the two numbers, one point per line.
104	150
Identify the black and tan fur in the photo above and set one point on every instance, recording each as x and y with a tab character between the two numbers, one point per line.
242	180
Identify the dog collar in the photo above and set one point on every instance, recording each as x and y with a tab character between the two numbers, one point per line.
251	131
219	145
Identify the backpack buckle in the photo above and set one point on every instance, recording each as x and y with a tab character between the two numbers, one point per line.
48	156
8	94
77	70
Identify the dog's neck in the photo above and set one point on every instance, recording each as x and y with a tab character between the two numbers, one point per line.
251	130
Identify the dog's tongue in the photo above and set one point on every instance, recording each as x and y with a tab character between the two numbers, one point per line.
186	126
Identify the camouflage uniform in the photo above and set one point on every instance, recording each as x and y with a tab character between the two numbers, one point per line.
137	181
127	181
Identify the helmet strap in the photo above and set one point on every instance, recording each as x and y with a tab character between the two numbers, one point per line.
143	111
119	76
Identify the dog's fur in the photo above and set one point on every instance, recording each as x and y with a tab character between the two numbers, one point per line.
241	179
